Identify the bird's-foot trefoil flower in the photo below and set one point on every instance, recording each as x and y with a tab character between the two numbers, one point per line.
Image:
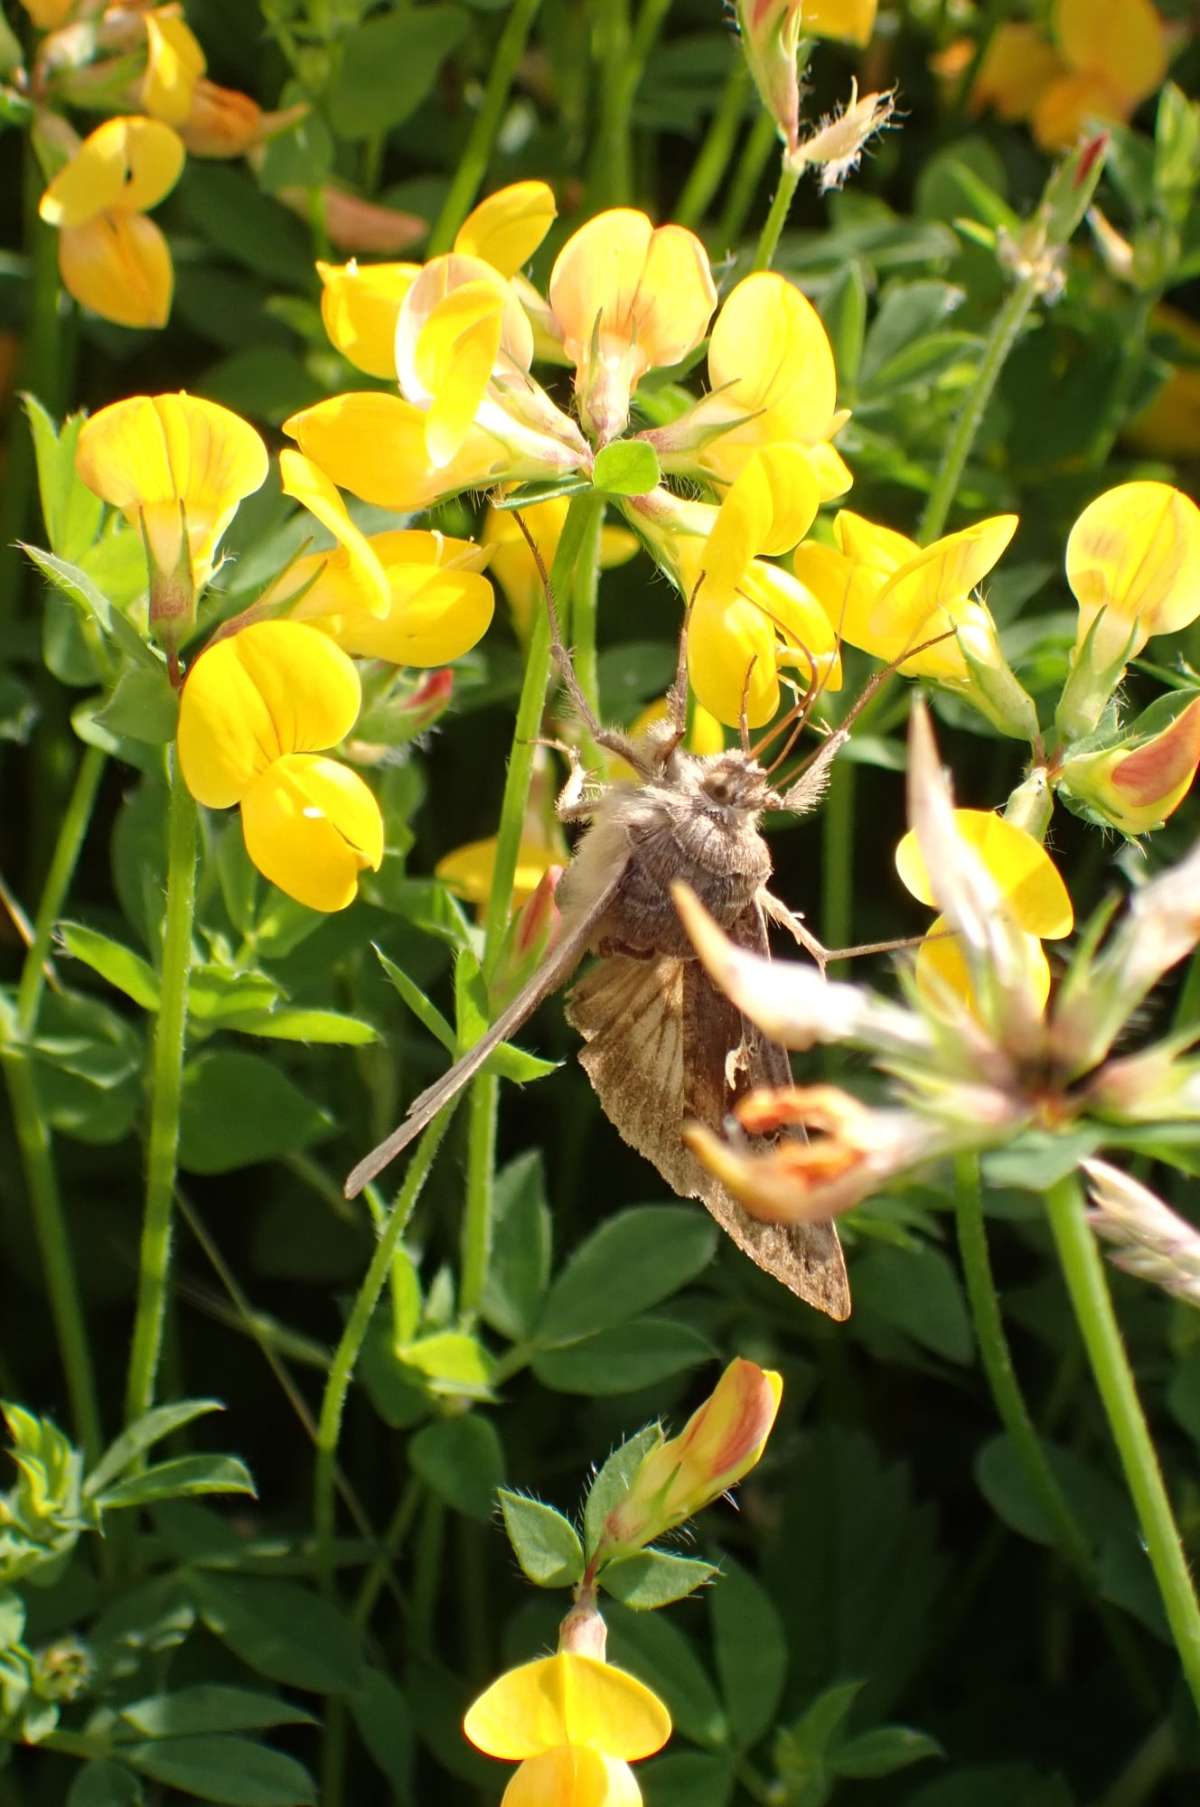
259	709
177	467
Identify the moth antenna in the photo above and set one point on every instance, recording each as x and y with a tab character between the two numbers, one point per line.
802	711
678	694
743	724
608	738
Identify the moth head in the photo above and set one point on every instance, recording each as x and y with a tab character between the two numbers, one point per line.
733	781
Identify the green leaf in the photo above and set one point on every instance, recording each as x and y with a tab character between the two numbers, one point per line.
688	1779
94	606
632	1261
87	1068
426	1013
141	1435
627	467
884	1750
230	210
238	1109
522	1231
71	511
381	1713
545	1543
143	706
267	381
122	968
462	1461
230	1770
1038	1159
389	66
105	1784
613	1481
918	1291
282	1631
1099	1506
654	1578
844	313
183	1476
209	1708
624	1358
998	1785
908	312
299	1024
750	1646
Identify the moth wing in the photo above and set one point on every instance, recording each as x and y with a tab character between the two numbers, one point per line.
660	1038
554	971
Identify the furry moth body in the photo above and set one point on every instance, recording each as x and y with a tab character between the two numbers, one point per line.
662	1045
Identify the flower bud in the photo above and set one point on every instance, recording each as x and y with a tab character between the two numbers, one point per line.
720	1443
770	35
1135	785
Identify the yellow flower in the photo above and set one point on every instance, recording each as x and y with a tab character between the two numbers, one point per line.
884	593
506	229
1133	564
468	869
1135	785
176	467
512	564
257	710
174	65
575	1724
772	382
374	445
1017	68
111	258
720	1443
1029	890
852	21
627	298
748	617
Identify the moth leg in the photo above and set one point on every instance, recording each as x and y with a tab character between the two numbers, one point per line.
787	919
574	803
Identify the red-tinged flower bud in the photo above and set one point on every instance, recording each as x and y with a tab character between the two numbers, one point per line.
770	35
355	225
1135	786
720	1443
428	702
530	936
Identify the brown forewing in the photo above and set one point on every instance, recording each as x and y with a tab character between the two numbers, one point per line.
665	1047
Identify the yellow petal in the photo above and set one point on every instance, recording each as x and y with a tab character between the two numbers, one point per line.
573	1775
810	643
310	486
360	307
277	687
941	966
311	826
1069	104
468	869
1122	40
769	507
852	21
1027	876
422	362
769	349
506	229
119	265
374	445
433	617
881	549
46	14
174	64
1135	551
1018	67
127	164
568	1699
732	658
454	356
149	453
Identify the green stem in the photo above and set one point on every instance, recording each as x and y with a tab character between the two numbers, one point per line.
33	1136
781	206
472	165
585	605
764	136
610	179
393	1542
170	1037
1001	1375
345	1356
1003	336
1087	1285
481	1168
712	159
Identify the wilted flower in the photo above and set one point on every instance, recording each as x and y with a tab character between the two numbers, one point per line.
1150	1239
836	147
258	709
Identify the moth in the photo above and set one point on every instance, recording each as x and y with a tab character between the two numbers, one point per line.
662	1046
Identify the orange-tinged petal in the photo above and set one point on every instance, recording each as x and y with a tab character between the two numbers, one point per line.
1020	865
567	1699
119	265
276	687
309	485
312	826
126	164
1156	777
572	1775
1135	551
941	966
46	14
360	306
150	453
649	291
1121	40
432	294
506	229
221	122
174	64
374	445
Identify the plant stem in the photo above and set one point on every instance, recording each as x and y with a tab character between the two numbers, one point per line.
610	176
998	1366
746	177
472	165
581	630
393	1543
1003	336
712	159
477	1218
1087	1285
33	1136
345	1356
781	206
170	1038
